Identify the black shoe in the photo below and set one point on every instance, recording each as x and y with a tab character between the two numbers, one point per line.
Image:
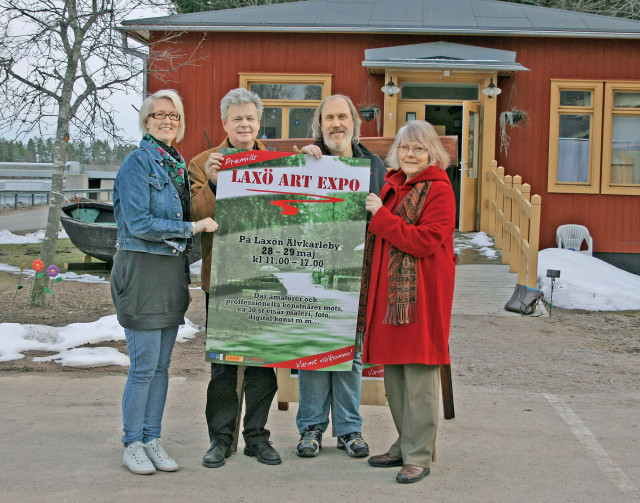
216	454
310	442
264	452
354	444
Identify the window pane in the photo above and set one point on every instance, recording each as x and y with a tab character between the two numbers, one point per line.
419	91
300	122
625	151
472	147
288	91
573	148
271	124
575	98
626	100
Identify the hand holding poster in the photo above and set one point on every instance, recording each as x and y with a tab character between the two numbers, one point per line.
287	260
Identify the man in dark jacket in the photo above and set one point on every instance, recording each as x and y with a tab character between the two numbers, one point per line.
336	131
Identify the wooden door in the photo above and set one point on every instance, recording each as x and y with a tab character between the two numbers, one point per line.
469	166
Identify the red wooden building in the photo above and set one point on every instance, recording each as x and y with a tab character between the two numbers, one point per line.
577	77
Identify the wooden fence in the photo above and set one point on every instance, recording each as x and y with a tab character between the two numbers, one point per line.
514	223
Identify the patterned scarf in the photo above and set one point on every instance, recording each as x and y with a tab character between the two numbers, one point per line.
403	268
173	160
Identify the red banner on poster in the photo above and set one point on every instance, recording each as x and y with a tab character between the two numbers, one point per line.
319	361
251	157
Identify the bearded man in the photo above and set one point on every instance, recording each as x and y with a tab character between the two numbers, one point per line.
336	131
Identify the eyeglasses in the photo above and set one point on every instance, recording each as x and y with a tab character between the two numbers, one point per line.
416	150
161	116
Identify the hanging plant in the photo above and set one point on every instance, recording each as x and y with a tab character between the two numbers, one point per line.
368	107
368	113
513	118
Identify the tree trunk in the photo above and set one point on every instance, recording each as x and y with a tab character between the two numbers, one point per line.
50	242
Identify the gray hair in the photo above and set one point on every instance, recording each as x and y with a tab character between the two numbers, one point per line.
147	105
240	96
316	123
423	133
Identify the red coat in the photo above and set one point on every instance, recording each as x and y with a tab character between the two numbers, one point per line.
431	240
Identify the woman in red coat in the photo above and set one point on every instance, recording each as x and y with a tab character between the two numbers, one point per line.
410	292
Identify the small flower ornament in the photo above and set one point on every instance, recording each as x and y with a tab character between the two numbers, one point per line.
37	265
52	272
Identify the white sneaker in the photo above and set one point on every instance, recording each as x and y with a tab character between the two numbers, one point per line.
137	460
159	457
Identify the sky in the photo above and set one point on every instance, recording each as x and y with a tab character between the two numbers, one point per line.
605	288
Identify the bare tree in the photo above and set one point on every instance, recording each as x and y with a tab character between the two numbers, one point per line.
618	8
60	61
187	6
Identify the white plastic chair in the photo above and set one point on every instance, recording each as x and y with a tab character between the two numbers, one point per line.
571	236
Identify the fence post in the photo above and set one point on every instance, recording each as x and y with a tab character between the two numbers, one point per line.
506	218
534	241
514	254
525	212
499	207
493	172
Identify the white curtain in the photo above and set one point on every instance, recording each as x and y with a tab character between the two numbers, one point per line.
573	160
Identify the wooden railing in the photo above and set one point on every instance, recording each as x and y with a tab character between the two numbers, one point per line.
514	223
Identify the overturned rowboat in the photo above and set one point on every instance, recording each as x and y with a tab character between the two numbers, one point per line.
91	227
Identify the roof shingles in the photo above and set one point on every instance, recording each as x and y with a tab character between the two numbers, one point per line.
474	17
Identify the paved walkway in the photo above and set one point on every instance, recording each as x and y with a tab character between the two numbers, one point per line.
25	220
60	443
483	283
484	289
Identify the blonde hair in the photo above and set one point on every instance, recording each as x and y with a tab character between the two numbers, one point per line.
147	105
423	133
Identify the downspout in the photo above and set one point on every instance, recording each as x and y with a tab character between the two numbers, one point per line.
145	62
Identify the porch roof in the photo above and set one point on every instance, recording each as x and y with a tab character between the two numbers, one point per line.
453	17
441	55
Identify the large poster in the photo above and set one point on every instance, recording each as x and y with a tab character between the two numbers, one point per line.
287	260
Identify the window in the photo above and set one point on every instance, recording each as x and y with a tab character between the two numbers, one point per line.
574	137
594	137
424	91
621	139
289	101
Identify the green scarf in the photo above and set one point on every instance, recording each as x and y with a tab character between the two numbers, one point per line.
173	160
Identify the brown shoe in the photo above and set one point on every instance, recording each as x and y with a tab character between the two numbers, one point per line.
384	460
411	473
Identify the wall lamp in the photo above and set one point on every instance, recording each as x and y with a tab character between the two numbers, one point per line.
390	89
491	90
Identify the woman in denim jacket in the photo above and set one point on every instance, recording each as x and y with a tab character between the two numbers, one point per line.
150	275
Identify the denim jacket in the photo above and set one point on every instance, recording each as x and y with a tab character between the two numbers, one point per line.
147	205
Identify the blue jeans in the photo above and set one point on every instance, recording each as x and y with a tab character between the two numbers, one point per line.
145	392
321	391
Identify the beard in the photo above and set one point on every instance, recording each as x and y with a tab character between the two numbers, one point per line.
342	146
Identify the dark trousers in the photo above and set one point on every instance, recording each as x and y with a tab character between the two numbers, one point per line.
260	386
222	409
